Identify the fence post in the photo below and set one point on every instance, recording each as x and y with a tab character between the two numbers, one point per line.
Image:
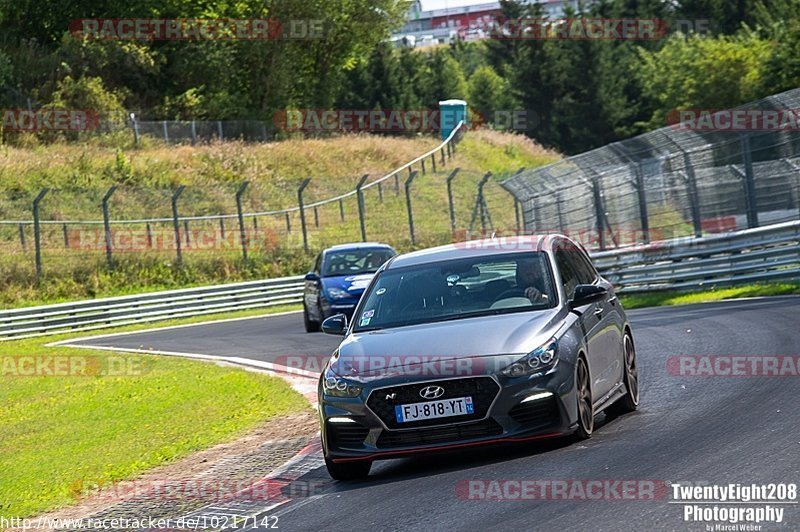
135	130
644	218
408	182
22	237
360	200
396	184
166	133
433	162
380	191
66	235
316	216
240	216
300	190
149	235
599	212
423	165
480	206
186	233
450	204
749	183
219	130
694	201
194	133
341	209
441	152
176	226
107	226
37	236
288	222
222	228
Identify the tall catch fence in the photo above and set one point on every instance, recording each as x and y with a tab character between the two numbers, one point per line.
673	182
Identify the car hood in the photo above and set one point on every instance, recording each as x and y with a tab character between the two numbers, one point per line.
353	284
402	349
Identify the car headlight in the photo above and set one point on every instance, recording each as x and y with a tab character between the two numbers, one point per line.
338	387
537	361
338	293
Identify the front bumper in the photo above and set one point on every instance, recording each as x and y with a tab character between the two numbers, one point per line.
502	414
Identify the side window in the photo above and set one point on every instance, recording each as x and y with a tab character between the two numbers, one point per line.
318	263
569	277
583	268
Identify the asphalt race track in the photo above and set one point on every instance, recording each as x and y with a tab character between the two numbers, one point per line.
689	429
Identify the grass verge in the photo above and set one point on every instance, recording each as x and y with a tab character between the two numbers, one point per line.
659	299
62	431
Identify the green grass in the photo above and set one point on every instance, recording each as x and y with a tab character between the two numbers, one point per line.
658	299
79	175
61	431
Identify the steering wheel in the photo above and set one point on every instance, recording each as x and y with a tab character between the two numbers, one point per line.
511	292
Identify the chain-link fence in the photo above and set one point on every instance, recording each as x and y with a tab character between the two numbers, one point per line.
680	180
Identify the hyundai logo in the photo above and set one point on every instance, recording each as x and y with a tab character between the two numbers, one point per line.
431	392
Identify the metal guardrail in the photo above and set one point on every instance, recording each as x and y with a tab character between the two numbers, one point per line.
125	310
763	254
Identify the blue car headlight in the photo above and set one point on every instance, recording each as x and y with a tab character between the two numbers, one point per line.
336	386
539	360
338	293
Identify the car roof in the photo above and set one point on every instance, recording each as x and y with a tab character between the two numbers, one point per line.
358	245
501	245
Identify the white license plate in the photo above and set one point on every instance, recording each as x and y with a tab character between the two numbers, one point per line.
457	406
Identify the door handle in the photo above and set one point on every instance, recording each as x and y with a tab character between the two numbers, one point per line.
612	299
598	311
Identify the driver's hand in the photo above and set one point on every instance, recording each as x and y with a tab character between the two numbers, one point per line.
533	294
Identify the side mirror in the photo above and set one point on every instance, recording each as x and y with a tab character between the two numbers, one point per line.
336	324
587	293
313	277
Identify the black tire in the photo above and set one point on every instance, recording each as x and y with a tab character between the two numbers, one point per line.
630	401
311	326
583	391
348	470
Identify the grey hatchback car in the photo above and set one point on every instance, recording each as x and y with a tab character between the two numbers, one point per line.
489	341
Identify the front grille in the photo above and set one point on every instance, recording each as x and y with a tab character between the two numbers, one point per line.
483	390
542	412
346	434
449	433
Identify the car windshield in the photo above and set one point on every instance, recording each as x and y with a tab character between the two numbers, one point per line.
355	261
455	289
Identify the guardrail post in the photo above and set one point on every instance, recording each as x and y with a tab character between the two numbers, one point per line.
360	200
644	219
107	226
240	216
22	237
316	216
37	235
433	161
694	202
341	209
380	191
441	153
176	226
423	165
749	183
66	235
222	228
149	235
396	185
450	204
288	222
300	190
408	206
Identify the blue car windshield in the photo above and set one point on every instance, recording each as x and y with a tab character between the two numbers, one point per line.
456	289
355	261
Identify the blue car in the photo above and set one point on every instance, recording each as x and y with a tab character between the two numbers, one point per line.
340	275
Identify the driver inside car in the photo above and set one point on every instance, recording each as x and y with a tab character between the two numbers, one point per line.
530	279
